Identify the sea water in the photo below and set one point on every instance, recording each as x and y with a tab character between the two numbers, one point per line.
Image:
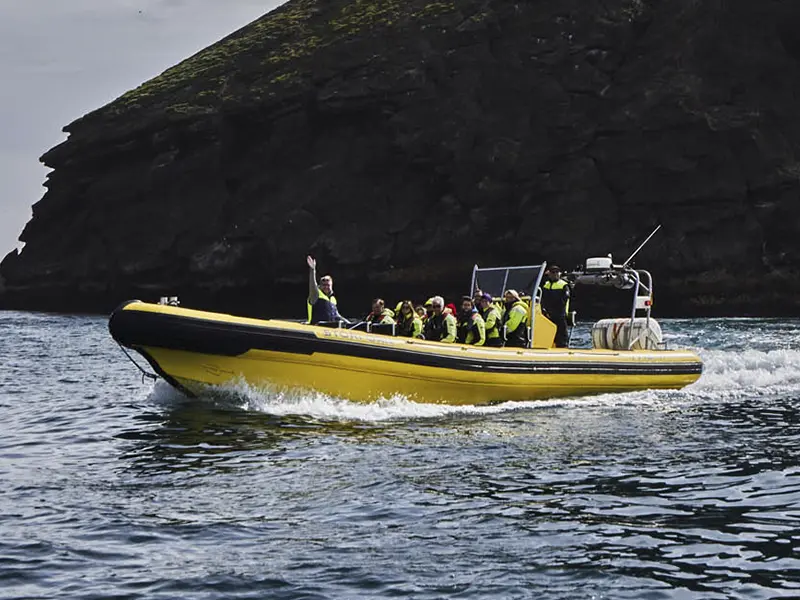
111	487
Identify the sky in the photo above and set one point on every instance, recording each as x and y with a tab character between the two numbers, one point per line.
60	59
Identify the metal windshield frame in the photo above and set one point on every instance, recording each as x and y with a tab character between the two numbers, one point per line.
535	291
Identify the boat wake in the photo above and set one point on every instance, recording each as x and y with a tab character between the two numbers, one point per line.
748	372
310	403
727	375
316	405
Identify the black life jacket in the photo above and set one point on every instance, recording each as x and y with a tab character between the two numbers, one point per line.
324	309
555	298
405	325
435	328
466	325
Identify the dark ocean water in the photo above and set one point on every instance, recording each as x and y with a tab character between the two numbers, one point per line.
114	488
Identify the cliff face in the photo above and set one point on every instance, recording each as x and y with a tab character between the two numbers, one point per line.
401	141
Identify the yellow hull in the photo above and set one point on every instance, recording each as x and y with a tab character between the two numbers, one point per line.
365	367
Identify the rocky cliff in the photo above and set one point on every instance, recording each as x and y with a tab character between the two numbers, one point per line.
401	141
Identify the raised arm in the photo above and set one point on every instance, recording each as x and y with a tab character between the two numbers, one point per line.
313	288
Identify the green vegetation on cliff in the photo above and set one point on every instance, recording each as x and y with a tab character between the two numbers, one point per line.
277	49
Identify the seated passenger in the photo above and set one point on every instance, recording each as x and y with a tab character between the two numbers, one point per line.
515	320
471	328
428	310
440	327
493	321
420	310
380	315
408	322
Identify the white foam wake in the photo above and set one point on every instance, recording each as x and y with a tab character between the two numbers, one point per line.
317	405
749	371
162	393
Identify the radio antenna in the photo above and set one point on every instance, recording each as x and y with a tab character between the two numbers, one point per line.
635	252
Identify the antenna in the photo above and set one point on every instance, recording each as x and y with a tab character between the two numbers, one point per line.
635	252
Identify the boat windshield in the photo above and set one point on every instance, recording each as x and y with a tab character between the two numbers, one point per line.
496	280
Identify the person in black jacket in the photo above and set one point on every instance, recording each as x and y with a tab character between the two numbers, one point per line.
555	303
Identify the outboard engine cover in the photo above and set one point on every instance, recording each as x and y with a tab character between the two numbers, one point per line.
618	334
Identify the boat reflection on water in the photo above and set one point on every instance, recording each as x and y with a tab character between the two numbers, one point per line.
225	429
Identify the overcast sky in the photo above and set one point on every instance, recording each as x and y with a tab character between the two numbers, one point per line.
59	59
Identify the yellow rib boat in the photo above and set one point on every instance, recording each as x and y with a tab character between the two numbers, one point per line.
193	349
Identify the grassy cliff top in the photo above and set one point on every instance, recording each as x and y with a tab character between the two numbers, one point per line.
275	52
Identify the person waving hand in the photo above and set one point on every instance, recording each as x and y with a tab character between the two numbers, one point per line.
321	302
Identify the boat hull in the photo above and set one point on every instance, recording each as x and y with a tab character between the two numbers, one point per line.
195	349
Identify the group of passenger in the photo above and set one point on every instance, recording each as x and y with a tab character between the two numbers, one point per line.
481	320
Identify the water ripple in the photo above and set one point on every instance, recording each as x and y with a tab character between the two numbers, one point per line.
114	489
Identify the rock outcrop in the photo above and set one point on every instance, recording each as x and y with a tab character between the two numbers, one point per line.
401	141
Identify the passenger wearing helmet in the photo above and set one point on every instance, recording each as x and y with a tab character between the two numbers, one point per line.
428	310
